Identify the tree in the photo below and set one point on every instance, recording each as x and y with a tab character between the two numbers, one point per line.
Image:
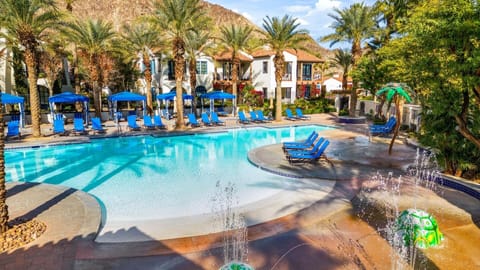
3	189
438	44
93	39
51	58
281	34
177	18
397	93
354	25
236	38
144	40
195	44
343	59
26	24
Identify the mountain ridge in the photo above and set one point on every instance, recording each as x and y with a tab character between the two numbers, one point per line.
119	12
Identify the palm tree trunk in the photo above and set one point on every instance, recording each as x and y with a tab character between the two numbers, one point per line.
193	82
3	191
279	66
356	54
148	80
398	114
30	61
235	65
178	52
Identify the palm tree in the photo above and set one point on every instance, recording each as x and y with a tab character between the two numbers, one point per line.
145	41
177	18
397	93
93	39
236	38
343	60
50	61
281	34
195	44
354	24
26	24
3	190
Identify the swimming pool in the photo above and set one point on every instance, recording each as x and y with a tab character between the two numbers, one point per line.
143	178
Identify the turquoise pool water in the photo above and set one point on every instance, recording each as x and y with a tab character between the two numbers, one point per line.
151	178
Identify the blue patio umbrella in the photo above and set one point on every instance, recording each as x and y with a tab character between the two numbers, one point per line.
172	95
69	98
216	94
11	99
125	96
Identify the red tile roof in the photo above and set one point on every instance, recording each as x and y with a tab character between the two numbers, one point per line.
227	56
302	56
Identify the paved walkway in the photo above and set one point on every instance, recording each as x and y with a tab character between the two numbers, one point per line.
321	234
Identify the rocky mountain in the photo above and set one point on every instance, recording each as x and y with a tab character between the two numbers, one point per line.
125	11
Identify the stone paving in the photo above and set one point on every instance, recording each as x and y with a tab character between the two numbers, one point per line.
324	235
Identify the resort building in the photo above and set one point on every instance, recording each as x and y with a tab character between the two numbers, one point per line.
298	80
332	84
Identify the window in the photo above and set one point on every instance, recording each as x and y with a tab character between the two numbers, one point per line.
171	70
227	71
265	92
307	72
265	67
288	71
202	67
286	92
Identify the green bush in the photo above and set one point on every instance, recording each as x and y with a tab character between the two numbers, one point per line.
343	112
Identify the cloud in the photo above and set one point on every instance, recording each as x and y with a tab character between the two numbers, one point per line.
323	5
297	8
302	21
248	16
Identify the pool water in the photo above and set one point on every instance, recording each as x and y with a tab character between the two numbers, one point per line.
152	178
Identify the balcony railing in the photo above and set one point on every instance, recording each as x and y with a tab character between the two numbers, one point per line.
287	77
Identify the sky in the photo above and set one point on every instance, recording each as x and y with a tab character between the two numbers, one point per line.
312	14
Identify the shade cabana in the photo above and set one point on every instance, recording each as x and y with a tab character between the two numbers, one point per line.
170	96
125	96
213	95
11	99
69	98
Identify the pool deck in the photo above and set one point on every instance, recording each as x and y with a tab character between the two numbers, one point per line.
313	229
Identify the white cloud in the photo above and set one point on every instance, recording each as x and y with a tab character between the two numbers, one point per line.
248	16
297	8
302	21
323	5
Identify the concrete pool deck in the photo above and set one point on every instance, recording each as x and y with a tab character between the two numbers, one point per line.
309	231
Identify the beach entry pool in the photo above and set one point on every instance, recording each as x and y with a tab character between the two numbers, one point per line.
142	181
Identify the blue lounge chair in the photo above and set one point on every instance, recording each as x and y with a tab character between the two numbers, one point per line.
310	139
303	157
59	127
205	120
301	115
147	122
215	119
242	119
261	117
383	129
132	122
301	145
78	127
308	151
290	116
13	129
97	125
254	117
157	121
192	120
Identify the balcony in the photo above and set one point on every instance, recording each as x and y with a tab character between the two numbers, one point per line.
287	77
